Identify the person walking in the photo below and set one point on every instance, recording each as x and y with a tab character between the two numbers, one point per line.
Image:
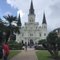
26	46
5	51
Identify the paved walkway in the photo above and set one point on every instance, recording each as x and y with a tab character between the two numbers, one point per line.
26	55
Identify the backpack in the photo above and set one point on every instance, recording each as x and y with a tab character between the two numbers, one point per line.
1	52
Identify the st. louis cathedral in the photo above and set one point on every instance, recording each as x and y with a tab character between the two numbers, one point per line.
31	31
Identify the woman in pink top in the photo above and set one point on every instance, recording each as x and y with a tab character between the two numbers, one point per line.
5	51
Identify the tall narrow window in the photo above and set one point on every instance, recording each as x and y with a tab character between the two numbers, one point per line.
40	34
31	34
44	34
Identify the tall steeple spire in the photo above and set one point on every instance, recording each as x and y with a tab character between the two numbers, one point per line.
31	11
44	19
19	20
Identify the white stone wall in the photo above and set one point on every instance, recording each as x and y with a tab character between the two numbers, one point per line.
44	31
32	30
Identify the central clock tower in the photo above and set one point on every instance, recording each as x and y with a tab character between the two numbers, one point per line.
31	15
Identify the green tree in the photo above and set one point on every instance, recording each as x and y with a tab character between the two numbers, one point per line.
10	19
42	41
52	44
1	25
58	42
11	29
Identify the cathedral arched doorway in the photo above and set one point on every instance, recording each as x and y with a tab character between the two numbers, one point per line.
31	43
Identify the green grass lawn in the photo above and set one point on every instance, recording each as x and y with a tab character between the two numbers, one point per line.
43	55
13	53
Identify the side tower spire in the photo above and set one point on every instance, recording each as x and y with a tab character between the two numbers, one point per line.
31	11
19	21
44	19
44	27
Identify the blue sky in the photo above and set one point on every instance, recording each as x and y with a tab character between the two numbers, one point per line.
6	9
50	7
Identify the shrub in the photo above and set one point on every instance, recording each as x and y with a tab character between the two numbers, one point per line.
15	46
39	48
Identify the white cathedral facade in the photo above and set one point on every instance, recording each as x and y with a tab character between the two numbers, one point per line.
31	31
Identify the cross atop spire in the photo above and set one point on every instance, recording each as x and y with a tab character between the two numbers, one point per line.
31	11
44	19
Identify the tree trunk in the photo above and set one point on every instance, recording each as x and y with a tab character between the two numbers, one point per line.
49	50
55	50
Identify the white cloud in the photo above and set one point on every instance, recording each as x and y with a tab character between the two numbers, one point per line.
14	23
21	13
49	6
19	4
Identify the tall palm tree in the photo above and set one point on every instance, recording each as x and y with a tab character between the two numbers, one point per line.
10	18
2	29
11	28
1	25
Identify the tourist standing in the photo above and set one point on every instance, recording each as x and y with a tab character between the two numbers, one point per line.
5	51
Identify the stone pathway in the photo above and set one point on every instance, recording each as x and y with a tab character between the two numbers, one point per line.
26	55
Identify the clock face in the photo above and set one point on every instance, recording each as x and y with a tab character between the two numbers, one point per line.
31	18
